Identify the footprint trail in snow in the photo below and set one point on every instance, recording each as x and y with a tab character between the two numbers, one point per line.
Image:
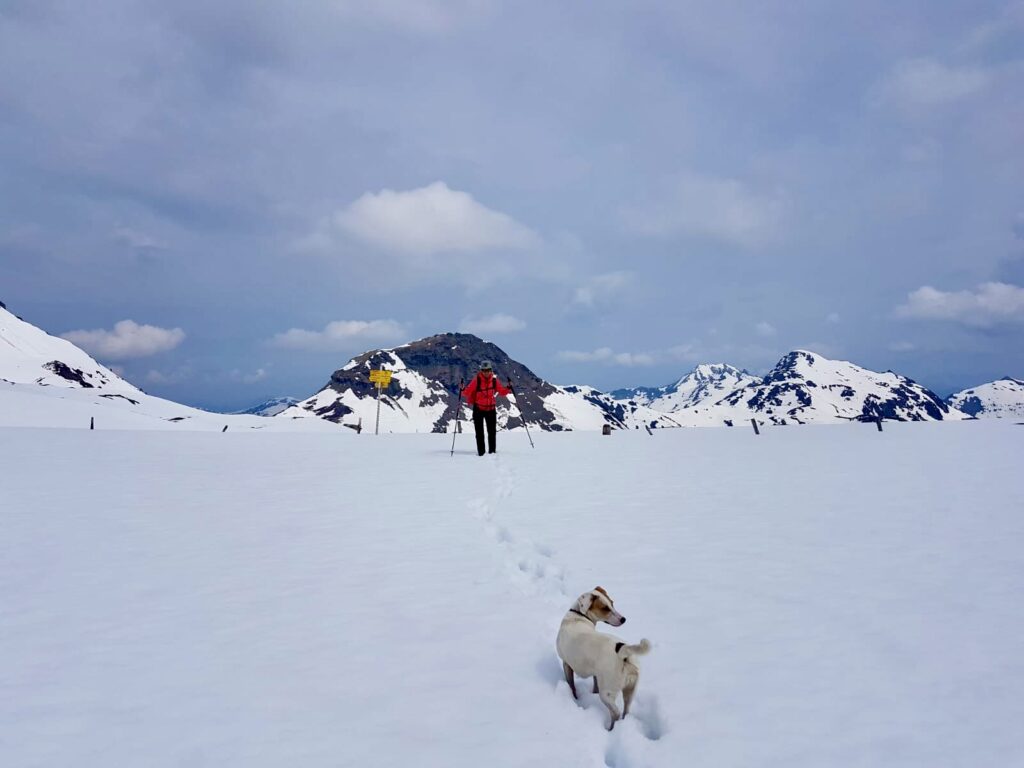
531	566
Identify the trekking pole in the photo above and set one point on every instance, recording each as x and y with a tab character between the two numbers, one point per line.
458	415
522	415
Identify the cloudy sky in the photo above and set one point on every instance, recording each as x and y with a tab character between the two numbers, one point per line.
228	199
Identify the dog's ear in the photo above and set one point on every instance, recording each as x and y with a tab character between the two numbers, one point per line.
601	590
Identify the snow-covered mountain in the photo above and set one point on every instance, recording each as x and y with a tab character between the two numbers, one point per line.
805	387
802	388
706	383
46	381
271	407
997	399
29	355
423	395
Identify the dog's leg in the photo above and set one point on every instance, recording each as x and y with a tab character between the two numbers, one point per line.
627	693
613	710
570	679
595	684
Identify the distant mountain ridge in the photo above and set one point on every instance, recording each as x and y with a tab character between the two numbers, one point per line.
45	376
424	393
706	382
803	387
271	407
1003	398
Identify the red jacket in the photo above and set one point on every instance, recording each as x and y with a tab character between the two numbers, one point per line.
480	392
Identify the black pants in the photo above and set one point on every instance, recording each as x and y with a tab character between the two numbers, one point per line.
491	418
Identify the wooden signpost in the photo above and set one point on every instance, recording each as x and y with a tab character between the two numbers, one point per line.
382	379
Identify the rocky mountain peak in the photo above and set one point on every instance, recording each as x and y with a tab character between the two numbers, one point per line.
424	391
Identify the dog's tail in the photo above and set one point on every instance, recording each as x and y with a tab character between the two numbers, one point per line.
625	651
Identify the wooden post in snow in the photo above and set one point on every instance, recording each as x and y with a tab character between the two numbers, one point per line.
753	423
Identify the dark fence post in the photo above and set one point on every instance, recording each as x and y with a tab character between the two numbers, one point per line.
878	423
92	422
753	423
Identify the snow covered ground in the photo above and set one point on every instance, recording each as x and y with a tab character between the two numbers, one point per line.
816	596
32	405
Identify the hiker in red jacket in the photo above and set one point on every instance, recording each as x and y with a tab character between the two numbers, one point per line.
480	393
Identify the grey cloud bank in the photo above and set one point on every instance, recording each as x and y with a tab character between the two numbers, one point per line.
724	182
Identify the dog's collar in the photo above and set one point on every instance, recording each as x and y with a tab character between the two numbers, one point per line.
580	613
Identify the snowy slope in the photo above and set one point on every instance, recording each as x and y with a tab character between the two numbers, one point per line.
30	405
996	400
423	395
29	355
271	407
584	407
381	604
706	383
808	388
46	381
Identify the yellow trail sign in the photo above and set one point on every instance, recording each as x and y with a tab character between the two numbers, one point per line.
382	379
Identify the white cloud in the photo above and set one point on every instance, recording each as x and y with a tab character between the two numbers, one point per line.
497	323
715	208
926	83
339	334
832	318
127	340
601	288
765	329
429	220
987	305
606	356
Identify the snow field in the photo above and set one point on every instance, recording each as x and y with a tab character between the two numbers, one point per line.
815	596
32	405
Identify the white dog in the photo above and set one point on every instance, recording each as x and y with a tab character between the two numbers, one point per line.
588	653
